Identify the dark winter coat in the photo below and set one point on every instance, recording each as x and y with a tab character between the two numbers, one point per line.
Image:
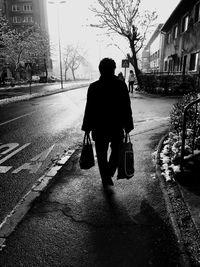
108	109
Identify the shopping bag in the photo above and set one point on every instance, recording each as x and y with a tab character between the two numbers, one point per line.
125	159
87	154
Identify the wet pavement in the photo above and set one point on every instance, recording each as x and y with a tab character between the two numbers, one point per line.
76	223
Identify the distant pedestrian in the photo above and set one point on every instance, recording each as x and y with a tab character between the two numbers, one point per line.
131	80
107	115
121	77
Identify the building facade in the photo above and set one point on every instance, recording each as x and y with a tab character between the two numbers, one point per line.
152	53
2	7
26	13
181	43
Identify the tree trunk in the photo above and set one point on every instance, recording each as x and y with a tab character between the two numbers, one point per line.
73	73
133	60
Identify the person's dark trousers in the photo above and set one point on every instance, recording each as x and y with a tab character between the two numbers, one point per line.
107	165
130	87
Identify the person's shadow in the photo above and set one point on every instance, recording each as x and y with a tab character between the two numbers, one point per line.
140	240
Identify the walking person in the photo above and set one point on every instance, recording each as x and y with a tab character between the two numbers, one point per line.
131	80
107	115
121	77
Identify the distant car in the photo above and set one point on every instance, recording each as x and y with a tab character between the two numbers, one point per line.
35	78
51	79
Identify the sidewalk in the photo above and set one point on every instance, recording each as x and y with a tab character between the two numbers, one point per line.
76	223
20	93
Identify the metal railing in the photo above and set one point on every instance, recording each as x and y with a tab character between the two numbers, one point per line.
191	120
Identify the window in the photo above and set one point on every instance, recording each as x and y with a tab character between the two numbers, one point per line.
171	66
185	23
16	19
193	61
175	32
181	63
15	8
168	37
197	13
28	19
165	65
27	7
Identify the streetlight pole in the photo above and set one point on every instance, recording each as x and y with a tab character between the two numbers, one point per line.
59	42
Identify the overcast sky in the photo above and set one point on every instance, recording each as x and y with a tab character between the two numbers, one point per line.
74	15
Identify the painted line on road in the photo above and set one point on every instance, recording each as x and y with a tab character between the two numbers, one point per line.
17	118
20	210
13	153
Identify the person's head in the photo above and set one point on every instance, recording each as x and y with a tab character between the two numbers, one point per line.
107	67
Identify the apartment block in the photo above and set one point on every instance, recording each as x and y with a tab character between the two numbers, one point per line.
2	7
26	13
174	47
152	53
182	34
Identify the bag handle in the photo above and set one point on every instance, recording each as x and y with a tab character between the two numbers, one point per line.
127	138
87	139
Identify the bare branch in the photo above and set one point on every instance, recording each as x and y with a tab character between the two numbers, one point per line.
123	17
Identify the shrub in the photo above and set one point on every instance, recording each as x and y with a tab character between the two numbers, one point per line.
176	114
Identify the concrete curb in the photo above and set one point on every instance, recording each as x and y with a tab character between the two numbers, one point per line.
20	210
184	259
34	95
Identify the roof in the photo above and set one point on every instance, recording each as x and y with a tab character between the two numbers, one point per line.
183	7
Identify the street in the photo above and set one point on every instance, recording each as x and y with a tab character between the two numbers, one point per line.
32	134
74	222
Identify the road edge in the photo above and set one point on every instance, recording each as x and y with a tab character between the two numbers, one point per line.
42	94
11	221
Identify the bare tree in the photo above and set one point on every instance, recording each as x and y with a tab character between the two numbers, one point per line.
73	58
67	56
124	18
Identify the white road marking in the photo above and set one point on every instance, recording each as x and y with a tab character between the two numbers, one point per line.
17	118
10	146
4	169
35	163
14	152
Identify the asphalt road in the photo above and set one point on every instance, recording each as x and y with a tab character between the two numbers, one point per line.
32	134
